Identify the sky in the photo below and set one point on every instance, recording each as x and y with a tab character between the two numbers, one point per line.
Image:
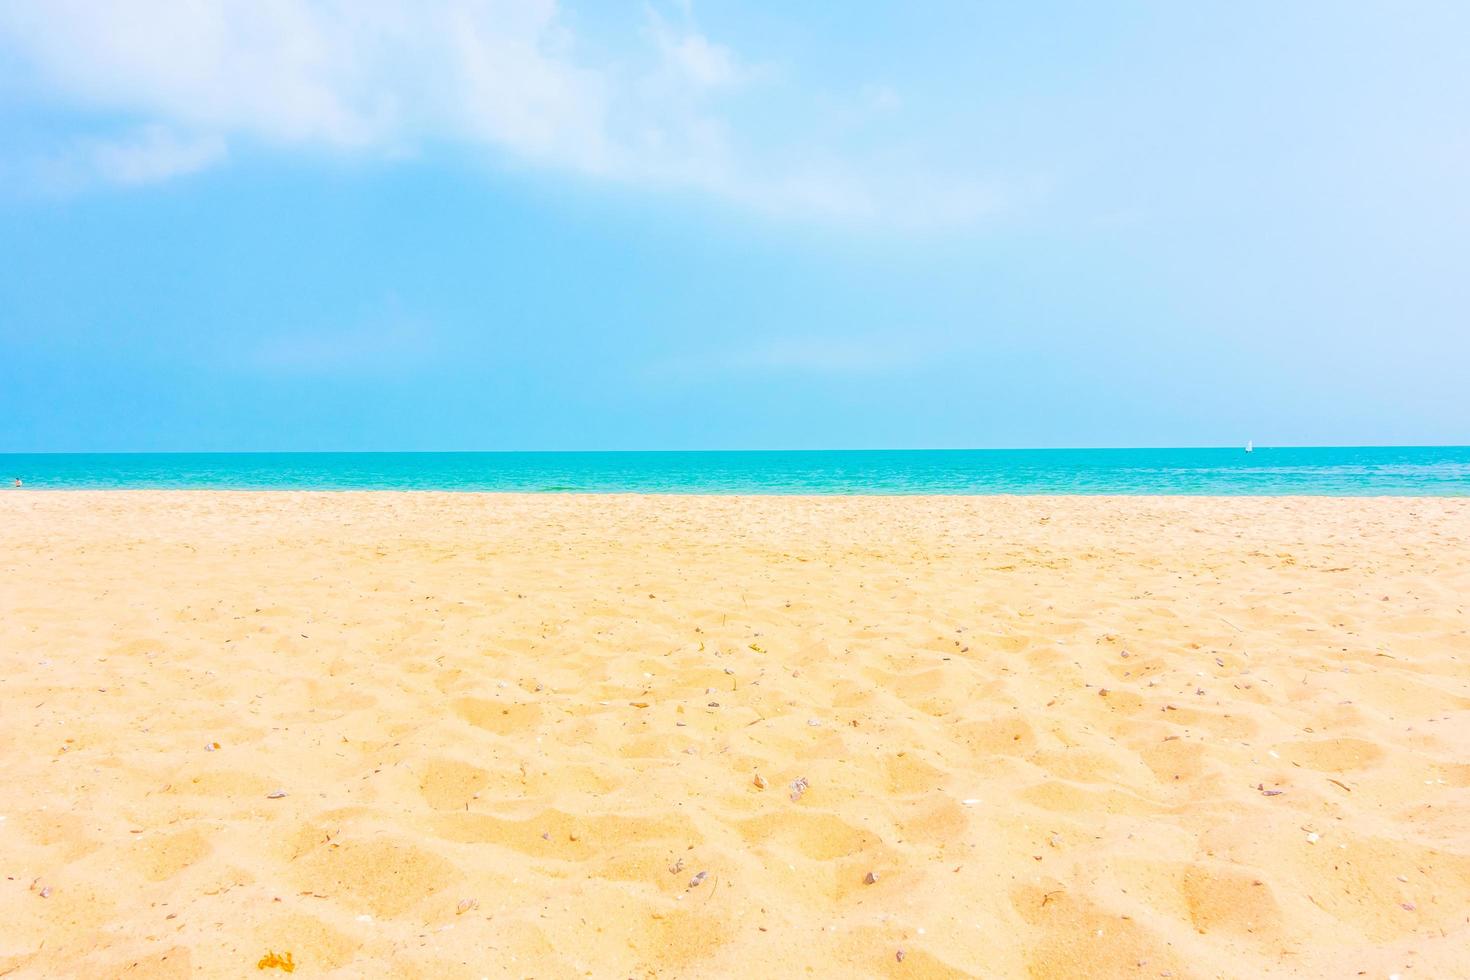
495	225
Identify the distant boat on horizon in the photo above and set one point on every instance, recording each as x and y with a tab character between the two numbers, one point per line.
1250	446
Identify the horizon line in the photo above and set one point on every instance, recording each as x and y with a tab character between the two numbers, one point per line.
838	449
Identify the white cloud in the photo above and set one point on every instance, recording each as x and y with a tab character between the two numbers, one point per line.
703	62
153	153
142	155
693	58
343	74
388	76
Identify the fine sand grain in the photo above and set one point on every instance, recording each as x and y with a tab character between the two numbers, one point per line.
624	736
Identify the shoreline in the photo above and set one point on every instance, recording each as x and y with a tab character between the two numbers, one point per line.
698	495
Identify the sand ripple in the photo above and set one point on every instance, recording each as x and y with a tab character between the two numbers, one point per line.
1067	736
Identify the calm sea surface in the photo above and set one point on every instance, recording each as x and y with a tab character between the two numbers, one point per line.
1403	471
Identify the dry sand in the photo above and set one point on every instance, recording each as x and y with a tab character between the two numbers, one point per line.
1116	737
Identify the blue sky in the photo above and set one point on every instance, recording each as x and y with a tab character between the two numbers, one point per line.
282	224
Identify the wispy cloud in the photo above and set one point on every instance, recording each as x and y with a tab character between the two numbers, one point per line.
152	153
872	354
387	346
691	57
510	76
142	155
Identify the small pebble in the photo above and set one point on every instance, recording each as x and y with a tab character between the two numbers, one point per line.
46	892
870	878
798	787
275	794
760	781
898	956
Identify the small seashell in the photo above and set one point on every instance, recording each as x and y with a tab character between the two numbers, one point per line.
1313	837
695	881
46	892
870	878
1406	906
465	904
814	722
275	794
760	781
898	956
212	747
798	787
270	959
676	867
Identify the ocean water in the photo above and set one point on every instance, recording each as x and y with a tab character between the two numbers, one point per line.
1393	471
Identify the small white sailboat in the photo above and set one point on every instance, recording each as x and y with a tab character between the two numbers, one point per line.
1250	446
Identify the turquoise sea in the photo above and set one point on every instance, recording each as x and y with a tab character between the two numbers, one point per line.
1386	471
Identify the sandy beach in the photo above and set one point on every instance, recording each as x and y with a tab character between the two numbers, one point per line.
464	735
